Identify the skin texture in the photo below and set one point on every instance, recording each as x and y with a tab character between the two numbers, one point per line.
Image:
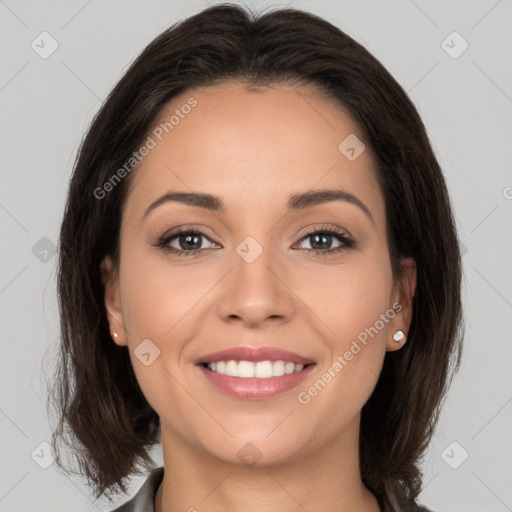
253	149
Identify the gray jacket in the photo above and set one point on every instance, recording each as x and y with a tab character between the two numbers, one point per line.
144	500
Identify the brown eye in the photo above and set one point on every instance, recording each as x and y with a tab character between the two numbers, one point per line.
321	241
184	243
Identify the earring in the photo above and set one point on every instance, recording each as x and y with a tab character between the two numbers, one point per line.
399	336
115	334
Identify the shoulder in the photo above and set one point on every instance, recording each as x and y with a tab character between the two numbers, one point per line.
144	499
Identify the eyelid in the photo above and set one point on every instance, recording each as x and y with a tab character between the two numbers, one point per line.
185	228
315	228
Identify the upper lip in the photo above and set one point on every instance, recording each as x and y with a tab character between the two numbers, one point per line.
253	354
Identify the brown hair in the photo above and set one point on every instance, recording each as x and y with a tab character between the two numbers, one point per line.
103	415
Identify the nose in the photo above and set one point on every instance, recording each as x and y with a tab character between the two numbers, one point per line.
255	291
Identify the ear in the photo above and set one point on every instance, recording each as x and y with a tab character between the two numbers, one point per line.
109	277
403	294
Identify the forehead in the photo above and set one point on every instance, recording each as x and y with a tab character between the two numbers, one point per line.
250	146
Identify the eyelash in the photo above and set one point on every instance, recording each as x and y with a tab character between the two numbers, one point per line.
347	242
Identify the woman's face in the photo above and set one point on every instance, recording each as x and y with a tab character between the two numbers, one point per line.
261	267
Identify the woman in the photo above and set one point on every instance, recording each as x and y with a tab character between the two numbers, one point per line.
258	268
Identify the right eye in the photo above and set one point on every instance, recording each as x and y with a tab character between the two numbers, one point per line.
189	243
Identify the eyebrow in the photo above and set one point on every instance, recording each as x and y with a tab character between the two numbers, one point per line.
296	201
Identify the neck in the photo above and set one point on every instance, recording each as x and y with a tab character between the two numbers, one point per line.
326	478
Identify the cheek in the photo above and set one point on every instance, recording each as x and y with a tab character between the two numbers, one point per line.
349	299
159	298
158	305
164	304
354	308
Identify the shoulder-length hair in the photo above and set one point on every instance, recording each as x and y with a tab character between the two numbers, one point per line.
103	415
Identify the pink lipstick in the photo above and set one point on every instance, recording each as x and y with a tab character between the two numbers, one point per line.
254	373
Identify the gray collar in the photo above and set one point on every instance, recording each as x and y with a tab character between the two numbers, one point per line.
144	500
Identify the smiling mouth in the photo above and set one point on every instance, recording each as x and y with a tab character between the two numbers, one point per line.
259	370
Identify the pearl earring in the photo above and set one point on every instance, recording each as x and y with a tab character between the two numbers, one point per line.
115	334
399	336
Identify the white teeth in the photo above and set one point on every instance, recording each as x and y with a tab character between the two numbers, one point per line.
245	369
232	368
264	370
259	370
278	368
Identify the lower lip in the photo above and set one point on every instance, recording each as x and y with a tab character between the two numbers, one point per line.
253	388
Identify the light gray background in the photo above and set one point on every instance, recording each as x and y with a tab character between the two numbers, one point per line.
466	104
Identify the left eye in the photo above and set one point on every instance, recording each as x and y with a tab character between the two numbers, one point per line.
321	240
